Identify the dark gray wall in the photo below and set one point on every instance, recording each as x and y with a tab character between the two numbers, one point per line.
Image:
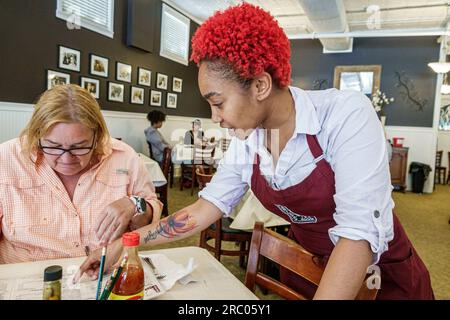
29	37
403	54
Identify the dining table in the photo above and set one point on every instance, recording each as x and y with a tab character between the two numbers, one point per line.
154	170
208	280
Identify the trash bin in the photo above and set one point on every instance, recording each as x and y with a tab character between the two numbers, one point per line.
420	172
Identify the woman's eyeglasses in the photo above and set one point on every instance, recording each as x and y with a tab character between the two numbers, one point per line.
81	151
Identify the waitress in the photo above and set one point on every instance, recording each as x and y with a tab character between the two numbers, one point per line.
316	158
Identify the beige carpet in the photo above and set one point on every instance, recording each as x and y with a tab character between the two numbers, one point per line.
424	217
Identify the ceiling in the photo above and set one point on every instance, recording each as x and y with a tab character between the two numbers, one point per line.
391	14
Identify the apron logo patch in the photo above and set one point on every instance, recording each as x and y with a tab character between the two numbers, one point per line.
295	217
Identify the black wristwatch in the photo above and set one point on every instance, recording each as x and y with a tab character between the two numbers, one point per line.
140	204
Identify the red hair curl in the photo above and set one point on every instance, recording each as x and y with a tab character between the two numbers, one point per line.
249	39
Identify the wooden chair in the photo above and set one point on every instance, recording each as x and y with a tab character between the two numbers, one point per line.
203	175
448	177
202	155
162	190
169	176
289	254
439	169
224	144
225	233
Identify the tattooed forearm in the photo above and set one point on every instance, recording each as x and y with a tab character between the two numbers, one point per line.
173	226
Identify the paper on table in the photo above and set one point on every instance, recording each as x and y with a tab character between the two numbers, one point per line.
30	287
174	272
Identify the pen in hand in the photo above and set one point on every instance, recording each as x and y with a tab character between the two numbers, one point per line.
100	275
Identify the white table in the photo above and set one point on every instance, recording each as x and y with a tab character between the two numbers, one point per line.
155	171
215	282
185	153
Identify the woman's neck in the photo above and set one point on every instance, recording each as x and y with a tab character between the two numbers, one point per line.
281	113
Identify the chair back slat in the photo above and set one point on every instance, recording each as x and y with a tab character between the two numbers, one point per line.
150	152
438	158
166	163
224	144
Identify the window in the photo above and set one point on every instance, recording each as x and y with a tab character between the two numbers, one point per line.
174	35
95	15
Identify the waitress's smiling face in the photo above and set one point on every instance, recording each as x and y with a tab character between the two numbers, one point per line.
232	106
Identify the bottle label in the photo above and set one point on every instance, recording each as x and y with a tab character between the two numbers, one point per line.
137	296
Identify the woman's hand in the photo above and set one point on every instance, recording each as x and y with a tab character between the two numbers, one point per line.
114	220
91	266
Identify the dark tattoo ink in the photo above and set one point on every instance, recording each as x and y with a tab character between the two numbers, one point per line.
178	223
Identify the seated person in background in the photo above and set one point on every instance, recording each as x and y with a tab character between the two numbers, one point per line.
65	184
196	135
154	137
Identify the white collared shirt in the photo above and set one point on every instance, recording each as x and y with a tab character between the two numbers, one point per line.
353	142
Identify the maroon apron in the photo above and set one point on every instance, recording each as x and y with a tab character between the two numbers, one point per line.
309	206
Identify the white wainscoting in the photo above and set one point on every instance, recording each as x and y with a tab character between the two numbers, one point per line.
444	145
130	127
422	148
126	125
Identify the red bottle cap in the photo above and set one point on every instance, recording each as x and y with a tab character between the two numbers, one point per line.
130	239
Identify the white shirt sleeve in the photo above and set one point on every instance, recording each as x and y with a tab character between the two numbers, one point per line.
228	186
358	156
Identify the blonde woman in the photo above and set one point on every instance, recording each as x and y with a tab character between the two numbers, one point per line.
66	186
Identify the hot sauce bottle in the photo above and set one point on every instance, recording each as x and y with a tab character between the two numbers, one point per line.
130	285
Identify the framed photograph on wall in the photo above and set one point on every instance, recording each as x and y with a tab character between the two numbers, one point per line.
171	100
137	95
55	78
155	98
177	84
69	59
144	77
91	85
115	91
98	66
161	81
123	72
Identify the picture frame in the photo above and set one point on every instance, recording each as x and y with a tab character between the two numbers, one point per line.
161	81
55	78
69	59
144	77
177	84
98	65
171	100
155	98
115	92
137	95
123	72
91	85
363	78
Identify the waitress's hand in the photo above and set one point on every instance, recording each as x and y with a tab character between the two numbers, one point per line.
91	266
114	220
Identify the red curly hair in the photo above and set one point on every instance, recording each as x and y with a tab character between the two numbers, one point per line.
247	38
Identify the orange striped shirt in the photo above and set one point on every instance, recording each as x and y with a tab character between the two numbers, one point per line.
37	218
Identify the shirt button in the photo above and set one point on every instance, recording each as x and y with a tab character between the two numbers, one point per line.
76	244
376	214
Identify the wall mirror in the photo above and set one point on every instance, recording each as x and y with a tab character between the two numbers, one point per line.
363	78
